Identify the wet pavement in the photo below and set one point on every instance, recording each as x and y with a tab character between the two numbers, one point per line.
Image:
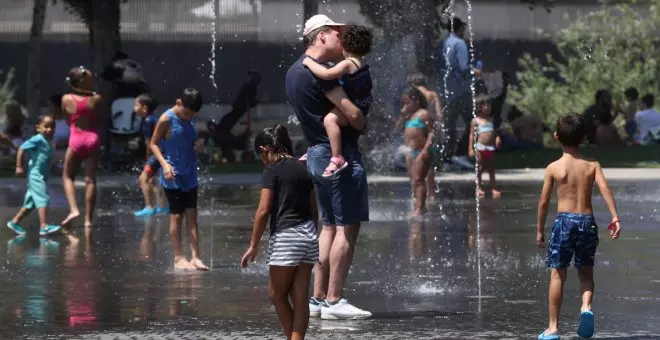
446	277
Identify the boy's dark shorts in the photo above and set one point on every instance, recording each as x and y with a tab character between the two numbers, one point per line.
573	235
181	200
151	166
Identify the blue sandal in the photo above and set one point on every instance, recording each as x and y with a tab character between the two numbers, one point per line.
586	327
544	336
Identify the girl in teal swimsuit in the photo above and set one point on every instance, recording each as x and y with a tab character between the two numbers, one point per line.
484	140
418	127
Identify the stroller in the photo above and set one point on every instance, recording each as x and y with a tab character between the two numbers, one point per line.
125	141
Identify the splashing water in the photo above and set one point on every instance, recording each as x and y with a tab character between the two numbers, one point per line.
214	32
476	163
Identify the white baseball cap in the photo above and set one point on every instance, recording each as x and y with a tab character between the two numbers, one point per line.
317	21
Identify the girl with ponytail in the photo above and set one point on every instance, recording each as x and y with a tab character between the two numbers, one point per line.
287	195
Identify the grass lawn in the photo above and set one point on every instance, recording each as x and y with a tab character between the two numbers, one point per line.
619	157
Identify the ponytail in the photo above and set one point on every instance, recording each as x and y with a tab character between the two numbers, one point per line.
277	138
282	141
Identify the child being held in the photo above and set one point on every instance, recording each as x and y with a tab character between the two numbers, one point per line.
355	79
484	140
574	232
40	147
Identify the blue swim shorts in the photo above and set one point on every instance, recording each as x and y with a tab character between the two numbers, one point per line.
573	236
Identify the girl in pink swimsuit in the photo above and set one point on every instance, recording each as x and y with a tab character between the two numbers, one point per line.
84	142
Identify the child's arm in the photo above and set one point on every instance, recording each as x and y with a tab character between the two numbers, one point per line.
609	201
471	140
498	140
437	105
19	162
325	73
7	141
260	220
544	203
159	133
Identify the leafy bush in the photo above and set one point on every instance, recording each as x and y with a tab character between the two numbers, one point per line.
6	90
613	48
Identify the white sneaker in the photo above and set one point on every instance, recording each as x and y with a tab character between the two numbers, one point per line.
315	307
343	310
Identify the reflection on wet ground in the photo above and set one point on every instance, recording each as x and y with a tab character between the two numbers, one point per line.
419	279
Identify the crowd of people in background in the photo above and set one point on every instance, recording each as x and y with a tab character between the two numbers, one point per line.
641	120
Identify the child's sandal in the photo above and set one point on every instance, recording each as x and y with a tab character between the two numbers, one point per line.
336	165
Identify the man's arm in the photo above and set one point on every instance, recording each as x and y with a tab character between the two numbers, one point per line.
353	114
463	57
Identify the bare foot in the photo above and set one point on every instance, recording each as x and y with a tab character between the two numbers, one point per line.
481	193
496	194
73	239
72	216
182	264
199	265
88	224
417	213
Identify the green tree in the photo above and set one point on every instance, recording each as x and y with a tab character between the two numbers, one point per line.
613	48
34	57
7	89
419	19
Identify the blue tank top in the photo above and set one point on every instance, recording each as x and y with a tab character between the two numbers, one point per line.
179	151
358	87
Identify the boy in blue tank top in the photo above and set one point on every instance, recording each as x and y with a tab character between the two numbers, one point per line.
175	145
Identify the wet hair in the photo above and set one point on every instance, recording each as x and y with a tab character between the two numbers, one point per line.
417	79
631	93
41	119
276	138
356	39
56	99
414	93
309	39
648	100
571	130
77	75
191	99
149	101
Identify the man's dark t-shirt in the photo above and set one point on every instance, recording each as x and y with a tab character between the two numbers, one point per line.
292	189
306	94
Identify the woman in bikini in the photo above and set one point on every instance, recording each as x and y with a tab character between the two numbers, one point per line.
418	132
84	142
